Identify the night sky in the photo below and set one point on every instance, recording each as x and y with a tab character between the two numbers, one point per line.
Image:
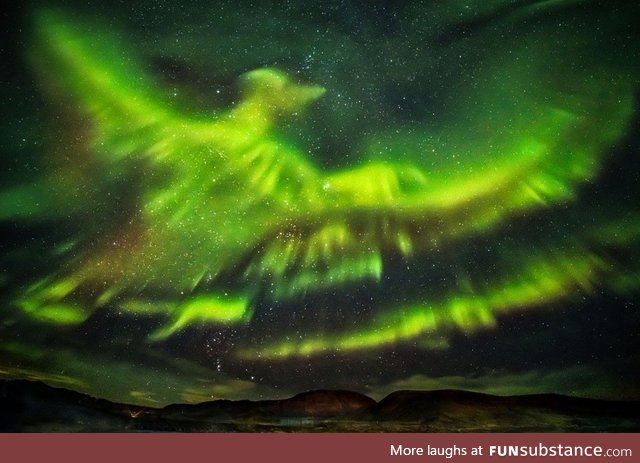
247	200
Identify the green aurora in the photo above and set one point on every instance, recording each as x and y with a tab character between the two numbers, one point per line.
206	237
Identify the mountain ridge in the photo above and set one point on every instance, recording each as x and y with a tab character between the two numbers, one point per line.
34	406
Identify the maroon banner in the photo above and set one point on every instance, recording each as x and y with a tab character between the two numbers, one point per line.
309	448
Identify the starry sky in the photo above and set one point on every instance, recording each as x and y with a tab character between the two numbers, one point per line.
206	200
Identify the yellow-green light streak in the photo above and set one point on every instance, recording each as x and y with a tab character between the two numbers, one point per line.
540	281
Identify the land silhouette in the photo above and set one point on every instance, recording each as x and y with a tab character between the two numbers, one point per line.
27	406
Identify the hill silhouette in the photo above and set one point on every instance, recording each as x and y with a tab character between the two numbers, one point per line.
34	406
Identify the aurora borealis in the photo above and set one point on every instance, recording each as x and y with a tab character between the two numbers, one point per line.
249	200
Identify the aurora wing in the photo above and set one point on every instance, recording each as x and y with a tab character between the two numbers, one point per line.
197	165
209	183
418	197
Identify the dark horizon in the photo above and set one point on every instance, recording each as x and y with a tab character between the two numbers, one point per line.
34	407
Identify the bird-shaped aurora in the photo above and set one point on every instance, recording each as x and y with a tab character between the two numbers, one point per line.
228	216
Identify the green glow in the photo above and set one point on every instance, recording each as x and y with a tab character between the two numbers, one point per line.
228	206
60	314
543	279
209	309
37	303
